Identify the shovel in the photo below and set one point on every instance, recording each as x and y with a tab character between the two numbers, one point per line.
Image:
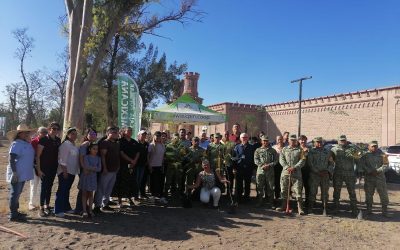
360	214
233	205
288	210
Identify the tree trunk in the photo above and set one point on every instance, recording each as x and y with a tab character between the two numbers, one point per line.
110	79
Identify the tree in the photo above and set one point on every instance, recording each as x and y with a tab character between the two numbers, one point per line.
155	78
58	84
13	110
92	26
31	82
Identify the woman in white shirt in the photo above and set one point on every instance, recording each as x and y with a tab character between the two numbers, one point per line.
68	168
207	181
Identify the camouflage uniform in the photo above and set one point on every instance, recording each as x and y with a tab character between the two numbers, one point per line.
174	153
216	155
228	153
318	160
265	178
345	159
374	165
292	157
194	158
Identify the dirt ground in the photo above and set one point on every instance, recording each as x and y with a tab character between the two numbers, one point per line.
148	226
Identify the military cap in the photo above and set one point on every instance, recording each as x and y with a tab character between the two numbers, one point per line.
293	137
217	135
318	138
264	138
342	138
373	143
196	138
205	162
176	135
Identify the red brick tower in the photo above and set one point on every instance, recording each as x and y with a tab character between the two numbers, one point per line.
190	84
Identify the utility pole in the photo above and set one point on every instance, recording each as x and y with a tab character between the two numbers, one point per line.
300	81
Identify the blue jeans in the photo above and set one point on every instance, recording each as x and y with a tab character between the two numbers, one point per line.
62	196
139	172
15	193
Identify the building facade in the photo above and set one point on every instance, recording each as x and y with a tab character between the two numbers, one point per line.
362	116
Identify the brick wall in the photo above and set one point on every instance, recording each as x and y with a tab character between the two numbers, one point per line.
361	123
398	122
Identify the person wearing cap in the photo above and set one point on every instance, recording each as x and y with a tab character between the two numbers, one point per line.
110	161
345	159
34	195
228	153
182	138
194	158
174	153
305	170
266	158
319	161
20	167
374	165
292	159
278	168
207	179
47	164
243	155
215	153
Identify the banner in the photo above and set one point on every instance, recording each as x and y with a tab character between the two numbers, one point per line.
129	104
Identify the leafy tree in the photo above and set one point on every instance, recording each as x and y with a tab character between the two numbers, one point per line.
92	26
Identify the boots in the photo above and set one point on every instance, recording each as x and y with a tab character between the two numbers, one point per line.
310	207
271	202
282	207
260	202
300	206
369	209
336	207
354	210
384	212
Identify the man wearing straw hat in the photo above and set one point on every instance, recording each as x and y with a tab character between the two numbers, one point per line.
20	167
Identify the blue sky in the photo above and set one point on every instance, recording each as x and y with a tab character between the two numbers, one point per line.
248	51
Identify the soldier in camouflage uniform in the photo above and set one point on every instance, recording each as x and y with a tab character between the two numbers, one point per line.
174	153
345	157
228	153
194	159
320	163
374	164
266	159
292	159
216	154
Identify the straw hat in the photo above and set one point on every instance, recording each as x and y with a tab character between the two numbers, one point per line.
21	128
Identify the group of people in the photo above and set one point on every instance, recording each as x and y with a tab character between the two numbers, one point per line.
185	167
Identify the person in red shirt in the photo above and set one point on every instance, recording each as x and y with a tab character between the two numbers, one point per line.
235	136
35	183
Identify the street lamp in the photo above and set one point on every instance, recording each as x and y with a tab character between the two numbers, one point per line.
300	81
